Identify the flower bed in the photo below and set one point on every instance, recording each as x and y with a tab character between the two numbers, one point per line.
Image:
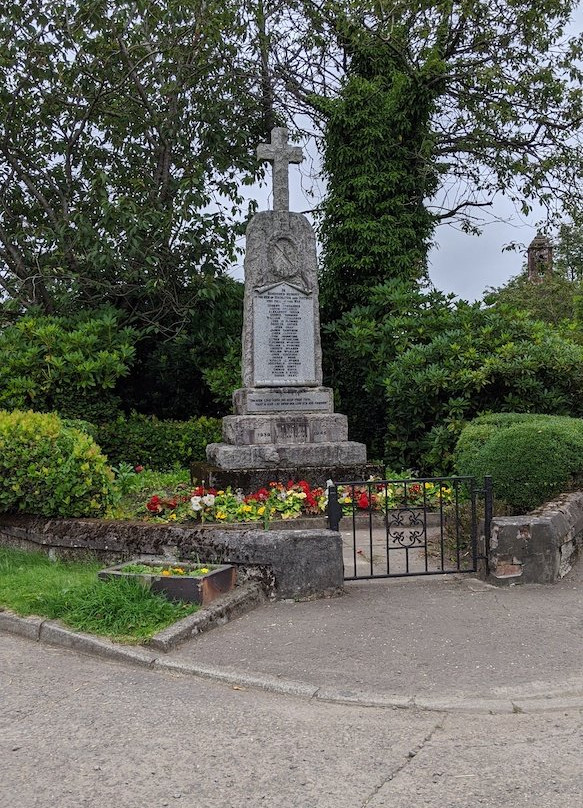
288	502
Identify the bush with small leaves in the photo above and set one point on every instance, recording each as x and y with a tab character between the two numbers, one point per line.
50	469
531	458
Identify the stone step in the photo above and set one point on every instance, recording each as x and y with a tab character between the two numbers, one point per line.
285	429
270	455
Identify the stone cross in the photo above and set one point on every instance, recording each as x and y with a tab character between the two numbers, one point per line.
279	153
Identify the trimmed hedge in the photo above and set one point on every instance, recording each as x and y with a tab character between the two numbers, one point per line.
531	458
157	444
50	469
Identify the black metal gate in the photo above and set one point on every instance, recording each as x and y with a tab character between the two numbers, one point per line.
396	528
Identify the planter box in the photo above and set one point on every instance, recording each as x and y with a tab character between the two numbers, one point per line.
202	589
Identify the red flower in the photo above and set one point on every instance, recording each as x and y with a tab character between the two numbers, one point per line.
138	469
154	505
363	501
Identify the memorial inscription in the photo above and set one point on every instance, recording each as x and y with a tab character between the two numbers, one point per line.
293	401
284	349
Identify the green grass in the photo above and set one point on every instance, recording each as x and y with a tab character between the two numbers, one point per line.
32	584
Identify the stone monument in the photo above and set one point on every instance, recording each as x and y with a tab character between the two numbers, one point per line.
284	419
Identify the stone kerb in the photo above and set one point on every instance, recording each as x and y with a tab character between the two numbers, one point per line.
296	564
539	547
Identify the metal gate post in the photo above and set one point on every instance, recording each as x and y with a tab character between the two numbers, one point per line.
333	509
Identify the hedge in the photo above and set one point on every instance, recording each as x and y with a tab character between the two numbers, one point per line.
157	444
50	469
530	457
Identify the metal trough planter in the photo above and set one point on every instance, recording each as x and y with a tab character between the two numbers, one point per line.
194	588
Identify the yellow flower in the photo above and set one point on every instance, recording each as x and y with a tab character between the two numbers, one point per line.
221	515
261	510
246	508
165	573
172	516
220	493
203	569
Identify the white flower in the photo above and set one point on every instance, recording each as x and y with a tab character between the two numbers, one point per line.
195	502
208	500
329	484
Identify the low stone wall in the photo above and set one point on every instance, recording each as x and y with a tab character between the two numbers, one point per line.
289	563
540	547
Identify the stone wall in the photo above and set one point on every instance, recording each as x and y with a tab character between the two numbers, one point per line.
540	547
290	563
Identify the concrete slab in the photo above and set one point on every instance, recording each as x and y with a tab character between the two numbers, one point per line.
450	637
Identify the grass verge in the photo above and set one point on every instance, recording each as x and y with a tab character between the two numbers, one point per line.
124	611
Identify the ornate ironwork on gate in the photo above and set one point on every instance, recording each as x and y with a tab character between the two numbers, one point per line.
394	528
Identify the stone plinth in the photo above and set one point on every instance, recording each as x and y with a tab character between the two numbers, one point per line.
249	480
271	455
259	400
283	428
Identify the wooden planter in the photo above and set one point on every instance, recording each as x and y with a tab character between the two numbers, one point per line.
202	589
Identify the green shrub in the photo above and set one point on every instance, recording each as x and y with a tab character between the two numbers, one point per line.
159	445
50	469
531	458
70	365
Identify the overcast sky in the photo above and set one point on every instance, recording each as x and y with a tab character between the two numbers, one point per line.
463	264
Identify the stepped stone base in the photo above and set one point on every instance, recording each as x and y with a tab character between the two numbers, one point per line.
253	478
285	428
261	400
270	455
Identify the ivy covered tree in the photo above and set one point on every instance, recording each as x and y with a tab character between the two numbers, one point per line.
441	105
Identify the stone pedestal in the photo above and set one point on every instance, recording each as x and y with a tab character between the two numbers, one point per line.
284	419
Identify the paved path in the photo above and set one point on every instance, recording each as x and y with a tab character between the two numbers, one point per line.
437	638
81	732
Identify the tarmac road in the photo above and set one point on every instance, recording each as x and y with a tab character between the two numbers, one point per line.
80	732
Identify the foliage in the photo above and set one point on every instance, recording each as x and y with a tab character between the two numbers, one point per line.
167	570
361	346
568	257
50	469
176	378
379	171
506	79
531	458
552	300
126	130
123	610
67	364
224	378
485	360
157	444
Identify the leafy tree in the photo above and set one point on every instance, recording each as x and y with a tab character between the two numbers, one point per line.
70	365
569	250
485	360
553	300
378	164
363	344
125	129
